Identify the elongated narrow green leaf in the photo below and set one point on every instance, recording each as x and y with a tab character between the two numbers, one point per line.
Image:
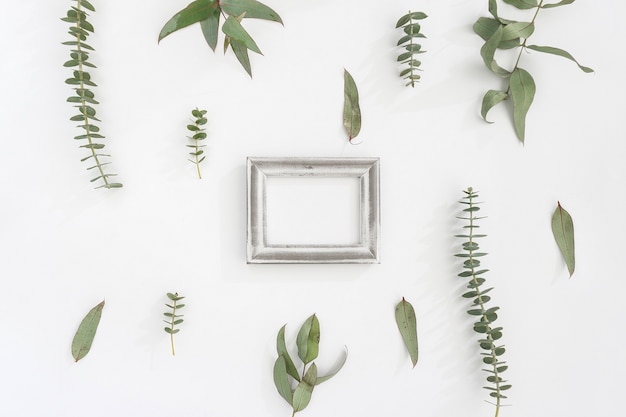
235	31
210	28
195	12
493	8
558	52
485	27
86	332
252	9
522	4
488	51
563	230
405	319
559	4
517	30
281	380
522	88
304	390
308	340
241	52
325	378
281	348
490	99
351	108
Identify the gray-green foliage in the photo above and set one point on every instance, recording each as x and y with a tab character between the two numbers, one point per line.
485	315
351	106
500	34
286	374
407	324
410	47
197	136
174	319
563	231
83	339
83	98
208	14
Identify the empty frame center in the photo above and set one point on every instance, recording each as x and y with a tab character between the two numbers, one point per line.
313	211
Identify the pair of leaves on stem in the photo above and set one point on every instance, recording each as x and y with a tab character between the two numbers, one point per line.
285	370
407	324
208	14
198	134
411	48
83	339
500	34
563	231
84	99
173	318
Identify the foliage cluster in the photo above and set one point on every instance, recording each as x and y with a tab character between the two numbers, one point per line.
173	318
83	98
411	29
285	370
500	34
197	136
492	352
209	12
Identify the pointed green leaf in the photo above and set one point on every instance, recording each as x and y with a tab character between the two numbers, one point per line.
522	88
563	231
485	27
325	378
517	30
488	50
195	12
561	3
522	4
252	9
281	380
351	108
304	390
281	348
235	31
210	28
405	319
308	339
491	98
86	332
559	52
241	52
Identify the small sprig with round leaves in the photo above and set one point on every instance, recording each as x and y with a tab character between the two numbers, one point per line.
286	374
83	99
492	352
197	136
411	29
174	319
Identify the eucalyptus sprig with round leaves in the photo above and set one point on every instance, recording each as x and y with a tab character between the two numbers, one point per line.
209	12
408	42
485	315
295	387
198	134
500	34
174	319
83	98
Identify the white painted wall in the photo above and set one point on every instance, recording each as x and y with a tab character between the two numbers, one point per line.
65	247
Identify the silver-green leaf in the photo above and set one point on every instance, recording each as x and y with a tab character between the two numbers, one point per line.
407	324
304	390
351	108
558	52
308	340
235	31
281	380
563	230
210	28
559	4
86	332
196	11
252	9
491	99
325	378
281	348
522	88
488	51
522	4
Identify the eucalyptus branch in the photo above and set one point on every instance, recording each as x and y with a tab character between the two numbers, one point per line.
84	99
198	135
174	319
486	315
411	29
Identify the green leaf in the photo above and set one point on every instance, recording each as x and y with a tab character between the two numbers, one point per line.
281	380
559	52
517	30
522	88
485	27
490	100
281	348
252	9
351	109
561	3
87	5
308	339
563	231
325	378
86	332
195	12
488	50
235	31
304	390
405	319
522	4
210	28
241	52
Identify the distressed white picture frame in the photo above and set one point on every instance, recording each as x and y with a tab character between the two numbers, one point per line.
365	169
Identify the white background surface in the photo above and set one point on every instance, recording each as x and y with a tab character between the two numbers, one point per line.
65	247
